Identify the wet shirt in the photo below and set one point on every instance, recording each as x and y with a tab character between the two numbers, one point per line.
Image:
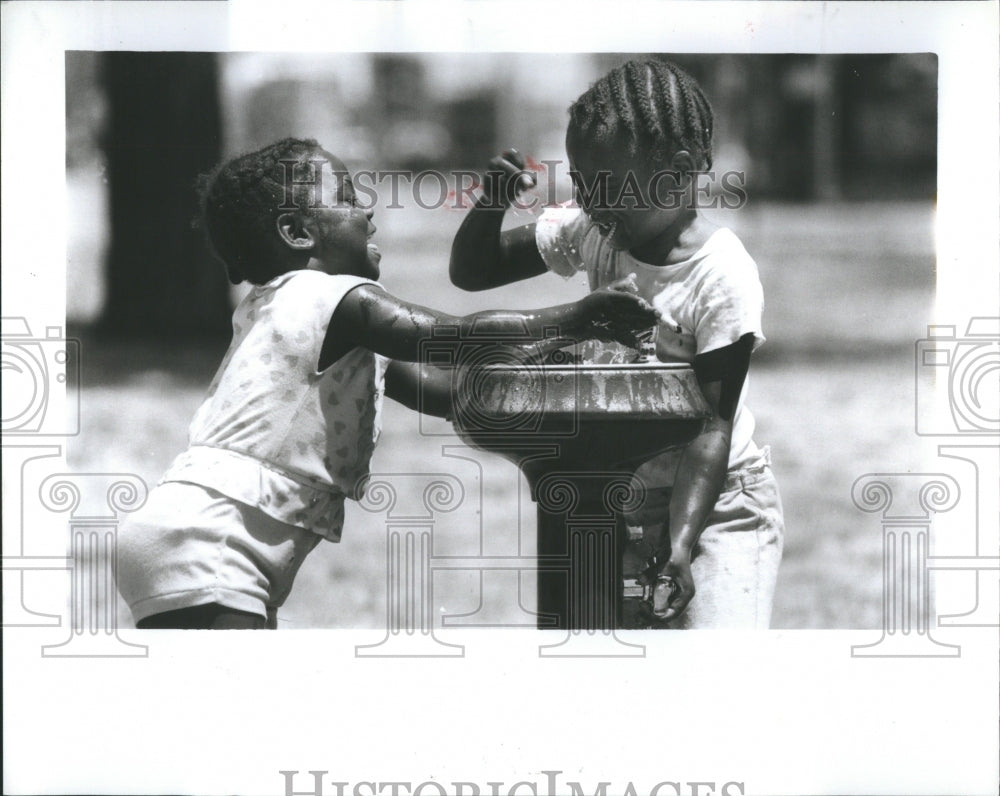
707	302
274	432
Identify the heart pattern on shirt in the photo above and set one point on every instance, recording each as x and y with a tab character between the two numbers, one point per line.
297	417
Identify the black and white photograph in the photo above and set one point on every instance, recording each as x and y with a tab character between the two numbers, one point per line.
478	361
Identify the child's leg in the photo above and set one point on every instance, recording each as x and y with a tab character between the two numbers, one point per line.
203	617
190	544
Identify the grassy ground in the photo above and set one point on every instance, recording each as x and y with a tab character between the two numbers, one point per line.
849	289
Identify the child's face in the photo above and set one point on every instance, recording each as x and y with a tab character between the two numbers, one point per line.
636	205
342	230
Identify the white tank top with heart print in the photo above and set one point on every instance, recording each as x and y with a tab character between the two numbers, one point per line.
274	432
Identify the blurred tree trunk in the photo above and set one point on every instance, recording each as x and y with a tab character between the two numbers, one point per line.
163	129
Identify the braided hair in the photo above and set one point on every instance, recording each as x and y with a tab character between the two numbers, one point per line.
652	109
240	202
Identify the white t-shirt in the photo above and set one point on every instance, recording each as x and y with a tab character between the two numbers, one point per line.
275	433
707	302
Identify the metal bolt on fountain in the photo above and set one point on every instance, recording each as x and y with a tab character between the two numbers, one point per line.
578	432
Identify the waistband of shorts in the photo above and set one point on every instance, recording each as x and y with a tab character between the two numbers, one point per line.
753	472
282	495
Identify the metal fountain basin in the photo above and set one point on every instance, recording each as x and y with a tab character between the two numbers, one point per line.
596	417
578	432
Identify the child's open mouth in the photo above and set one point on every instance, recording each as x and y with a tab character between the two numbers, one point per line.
372	247
373	250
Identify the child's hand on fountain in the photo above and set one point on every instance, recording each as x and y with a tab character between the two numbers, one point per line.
673	587
668	573
616	313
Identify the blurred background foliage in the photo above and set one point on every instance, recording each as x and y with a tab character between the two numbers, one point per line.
802	128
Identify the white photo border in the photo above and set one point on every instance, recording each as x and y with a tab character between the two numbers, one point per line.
777	712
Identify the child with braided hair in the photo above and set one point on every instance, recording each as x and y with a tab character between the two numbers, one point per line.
287	429
636	140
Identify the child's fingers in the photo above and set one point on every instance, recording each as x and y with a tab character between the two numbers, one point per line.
514	165
663	598
639	308
631	316
514	157
507	165
677	599
642	310
507	170
503	166
647	307
626	284
526	180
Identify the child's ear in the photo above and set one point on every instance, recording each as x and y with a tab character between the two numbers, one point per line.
683	163
293	233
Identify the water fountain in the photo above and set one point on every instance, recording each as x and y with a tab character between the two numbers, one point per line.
578	432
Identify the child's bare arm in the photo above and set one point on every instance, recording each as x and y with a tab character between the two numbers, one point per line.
702	469
422	388
371	318
482	256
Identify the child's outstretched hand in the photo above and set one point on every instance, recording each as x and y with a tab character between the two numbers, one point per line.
616	313
506	178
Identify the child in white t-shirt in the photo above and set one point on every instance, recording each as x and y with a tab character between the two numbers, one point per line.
712	516
287	429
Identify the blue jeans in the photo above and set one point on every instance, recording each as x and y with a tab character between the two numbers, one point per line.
735	561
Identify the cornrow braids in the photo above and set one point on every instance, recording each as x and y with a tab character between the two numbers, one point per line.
651	108
240	202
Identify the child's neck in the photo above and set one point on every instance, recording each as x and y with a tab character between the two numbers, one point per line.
678	242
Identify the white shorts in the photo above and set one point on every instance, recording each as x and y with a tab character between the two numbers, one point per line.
190	545
735	560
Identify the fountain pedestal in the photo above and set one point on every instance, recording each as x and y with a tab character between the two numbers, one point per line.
580	546
578	433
